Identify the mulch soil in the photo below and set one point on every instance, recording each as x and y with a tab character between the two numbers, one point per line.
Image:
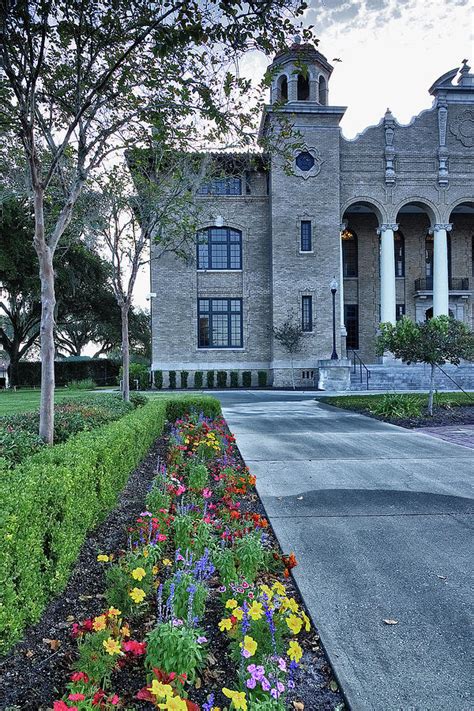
34	674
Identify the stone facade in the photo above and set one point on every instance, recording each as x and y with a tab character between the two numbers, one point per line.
413	183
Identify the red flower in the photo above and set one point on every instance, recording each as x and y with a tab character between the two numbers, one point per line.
76	697
60	706
79	676
114	700
134	647
98	696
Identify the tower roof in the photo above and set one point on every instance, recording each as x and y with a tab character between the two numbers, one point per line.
303	52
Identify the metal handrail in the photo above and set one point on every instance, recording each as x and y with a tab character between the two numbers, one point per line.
357	361
453	381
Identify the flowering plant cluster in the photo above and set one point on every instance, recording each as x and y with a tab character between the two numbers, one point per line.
197	541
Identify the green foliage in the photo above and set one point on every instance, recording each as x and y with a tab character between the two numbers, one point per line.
157	498
183	530
158	379
397	405
16	444
289	334
174	649
138	373
138	399
221	379
189	597
234	379
210	378
94	660
172	379
85	384
224	561
197	475
184	375
247	379
250	556
198	379
262	378
103	371
177	407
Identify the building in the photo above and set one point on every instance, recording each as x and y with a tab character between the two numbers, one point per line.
390	214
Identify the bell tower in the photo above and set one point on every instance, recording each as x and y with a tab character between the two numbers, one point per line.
304	205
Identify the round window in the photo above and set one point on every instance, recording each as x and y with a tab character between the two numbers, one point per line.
305	161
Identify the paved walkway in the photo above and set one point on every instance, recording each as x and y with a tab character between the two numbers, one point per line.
458	434
380	519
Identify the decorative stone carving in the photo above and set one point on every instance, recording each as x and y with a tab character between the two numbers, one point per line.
315	169
387	226
443	175
448	227
463	128
389	126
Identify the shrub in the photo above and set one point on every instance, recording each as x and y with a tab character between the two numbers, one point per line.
85	384
397	405
172	379
184	379
177	407
138	399
158	378
234	379
174	649
247	378
198	379
262	378
221	379
51	500
210	378
138	374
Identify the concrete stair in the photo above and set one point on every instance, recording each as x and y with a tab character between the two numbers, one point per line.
412	377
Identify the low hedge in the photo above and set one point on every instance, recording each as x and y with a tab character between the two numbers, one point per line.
51	501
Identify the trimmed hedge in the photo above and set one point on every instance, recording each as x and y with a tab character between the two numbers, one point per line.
102	371
247	379
51	501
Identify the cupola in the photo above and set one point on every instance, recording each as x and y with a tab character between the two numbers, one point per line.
300	74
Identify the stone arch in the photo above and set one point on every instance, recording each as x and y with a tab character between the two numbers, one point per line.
377	207
323	90
282	88
467	202
302	87
429	207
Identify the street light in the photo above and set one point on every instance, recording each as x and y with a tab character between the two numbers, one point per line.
333	285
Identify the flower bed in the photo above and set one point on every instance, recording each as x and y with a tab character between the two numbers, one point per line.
199	605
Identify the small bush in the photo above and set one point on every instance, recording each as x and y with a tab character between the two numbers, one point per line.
397	405
262	378
198	379
210	378
138	399
247	378
158	378
177	407
85	384
221	379
172	379
184	379
138	374
234	379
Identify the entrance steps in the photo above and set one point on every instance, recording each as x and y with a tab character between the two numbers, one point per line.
412	377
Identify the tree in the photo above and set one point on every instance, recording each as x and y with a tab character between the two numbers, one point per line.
82	79
290	335
435	342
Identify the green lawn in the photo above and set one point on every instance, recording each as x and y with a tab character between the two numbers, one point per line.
367	402
12	402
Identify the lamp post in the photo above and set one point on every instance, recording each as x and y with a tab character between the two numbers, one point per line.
334	355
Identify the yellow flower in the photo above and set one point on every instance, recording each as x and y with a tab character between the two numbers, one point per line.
225	624
294	651
256	610
160	690
238	698
174	703
103	558
155	569
294	623
230	604
137	595
268	592
249	645
292	604
125	631
113	612
112	646
307	623
145	552
166	561
279	588
100	623
238	613
138	573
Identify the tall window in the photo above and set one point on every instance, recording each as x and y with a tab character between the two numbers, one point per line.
349	253
220	323
219	248
399	311
303	88
306	236
323	91
282	86
307	313
351	322
228	185
399	246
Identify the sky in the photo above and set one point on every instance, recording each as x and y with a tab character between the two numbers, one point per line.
392	51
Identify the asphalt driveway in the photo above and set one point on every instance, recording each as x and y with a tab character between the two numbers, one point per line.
380	520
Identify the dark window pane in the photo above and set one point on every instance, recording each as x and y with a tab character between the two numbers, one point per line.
399	246
399	311
220	334
204	332
306	236
307	313
203	256
219	248
351	322
349	254
222	326
221	186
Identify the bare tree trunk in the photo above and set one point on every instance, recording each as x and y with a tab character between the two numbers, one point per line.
430	398
48	303
125	353
292	373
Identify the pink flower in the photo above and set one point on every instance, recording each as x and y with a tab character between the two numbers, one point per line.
162	537
79	676
180	490
76	697
134	647
114	700
60	706
207	493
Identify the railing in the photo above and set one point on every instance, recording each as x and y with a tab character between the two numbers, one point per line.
455	284
469	396
357	362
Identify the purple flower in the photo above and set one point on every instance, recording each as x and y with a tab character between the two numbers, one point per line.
222	589
265	684
201	640
209	703
251	683
282	664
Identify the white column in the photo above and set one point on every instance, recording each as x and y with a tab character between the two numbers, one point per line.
387	273
341	280
440	270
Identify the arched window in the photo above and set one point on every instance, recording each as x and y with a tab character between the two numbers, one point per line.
303	88
349	254
282	88
323	91
219	248
399	246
